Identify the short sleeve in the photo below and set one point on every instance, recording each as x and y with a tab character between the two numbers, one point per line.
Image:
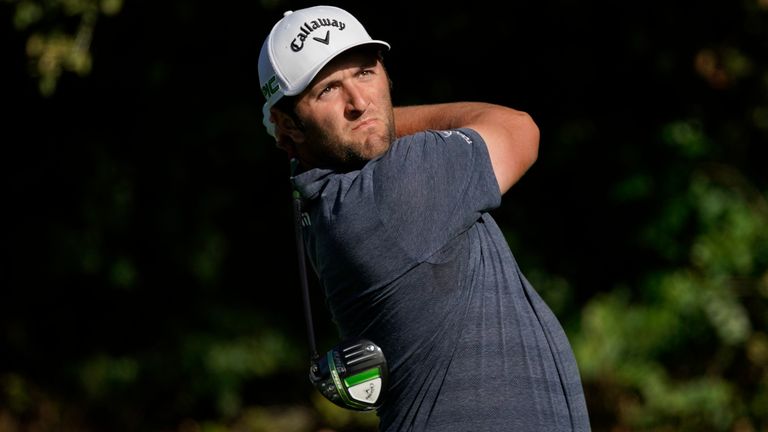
433	185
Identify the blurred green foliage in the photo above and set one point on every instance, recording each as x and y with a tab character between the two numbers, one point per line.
59	35
688	353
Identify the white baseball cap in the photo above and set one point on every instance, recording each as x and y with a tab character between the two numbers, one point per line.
299	45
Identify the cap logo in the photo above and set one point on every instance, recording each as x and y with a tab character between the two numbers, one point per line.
270	87
326	40
307	28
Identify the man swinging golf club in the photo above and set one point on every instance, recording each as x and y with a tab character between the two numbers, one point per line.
395	203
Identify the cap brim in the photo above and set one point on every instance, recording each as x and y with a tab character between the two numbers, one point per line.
307	79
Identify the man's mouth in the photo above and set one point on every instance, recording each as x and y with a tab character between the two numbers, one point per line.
365	123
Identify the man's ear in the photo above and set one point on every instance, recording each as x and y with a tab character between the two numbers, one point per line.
285	131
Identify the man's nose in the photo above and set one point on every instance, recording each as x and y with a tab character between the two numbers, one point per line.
357	101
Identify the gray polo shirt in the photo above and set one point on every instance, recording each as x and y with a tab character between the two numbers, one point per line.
410	258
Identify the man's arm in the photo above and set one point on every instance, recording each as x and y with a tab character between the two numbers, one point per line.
512	137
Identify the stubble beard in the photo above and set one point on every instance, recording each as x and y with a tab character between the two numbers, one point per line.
346	155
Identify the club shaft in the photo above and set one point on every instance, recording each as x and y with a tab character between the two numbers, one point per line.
303	274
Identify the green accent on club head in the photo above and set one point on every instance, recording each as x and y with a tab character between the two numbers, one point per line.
362	377
341	388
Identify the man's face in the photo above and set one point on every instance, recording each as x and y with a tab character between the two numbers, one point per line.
346	113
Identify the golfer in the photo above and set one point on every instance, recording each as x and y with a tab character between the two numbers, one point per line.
400	236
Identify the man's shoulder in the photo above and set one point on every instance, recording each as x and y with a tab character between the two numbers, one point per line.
465	135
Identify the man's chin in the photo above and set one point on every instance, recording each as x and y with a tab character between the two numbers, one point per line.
376	145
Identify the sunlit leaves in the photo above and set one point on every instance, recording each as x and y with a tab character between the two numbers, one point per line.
27	13
706	403
626	342
250	357
227	364
15	392
734	235
59	38
340	419
687	137
54	53
273	419
757	348
722	67
615	335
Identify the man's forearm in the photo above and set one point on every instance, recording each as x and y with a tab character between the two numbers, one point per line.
511	136
416	118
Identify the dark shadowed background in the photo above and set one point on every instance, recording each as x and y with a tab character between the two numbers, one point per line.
149	279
